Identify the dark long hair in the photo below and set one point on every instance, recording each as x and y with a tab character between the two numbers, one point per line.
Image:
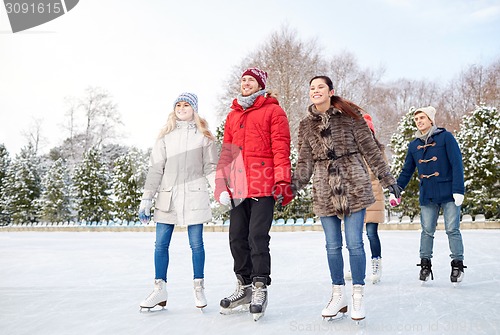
344	105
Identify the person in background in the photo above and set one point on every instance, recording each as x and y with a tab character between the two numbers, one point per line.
436	155
254	171
183	158
375	213
334	142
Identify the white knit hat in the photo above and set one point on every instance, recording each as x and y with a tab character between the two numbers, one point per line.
429	111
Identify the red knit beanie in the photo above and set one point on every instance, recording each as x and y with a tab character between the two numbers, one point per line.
259	75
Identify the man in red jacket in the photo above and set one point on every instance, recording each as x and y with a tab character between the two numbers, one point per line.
253	172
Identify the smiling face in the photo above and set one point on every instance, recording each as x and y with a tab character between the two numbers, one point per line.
249	85
184	111
319	94
422	122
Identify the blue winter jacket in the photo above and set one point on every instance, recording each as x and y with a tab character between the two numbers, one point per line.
440	167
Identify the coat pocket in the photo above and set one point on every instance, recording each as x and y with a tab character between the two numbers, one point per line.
164	200
198	196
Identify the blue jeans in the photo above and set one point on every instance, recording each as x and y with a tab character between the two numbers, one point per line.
428	220
372	233
353	226
163	237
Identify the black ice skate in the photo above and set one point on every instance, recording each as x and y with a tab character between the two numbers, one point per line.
457	272
426	270
242	296
259	298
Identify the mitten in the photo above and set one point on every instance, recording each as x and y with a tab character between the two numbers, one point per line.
395	189
283	193
225	198
145	210
220	187
459	199
393	201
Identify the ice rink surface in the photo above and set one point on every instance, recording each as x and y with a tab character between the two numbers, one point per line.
92	283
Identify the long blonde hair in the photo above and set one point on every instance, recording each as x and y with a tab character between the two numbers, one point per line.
201	125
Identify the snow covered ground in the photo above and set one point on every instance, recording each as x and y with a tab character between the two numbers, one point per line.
91	283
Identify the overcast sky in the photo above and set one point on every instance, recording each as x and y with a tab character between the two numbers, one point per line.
146	53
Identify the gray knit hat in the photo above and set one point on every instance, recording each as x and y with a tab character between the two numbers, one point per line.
190	98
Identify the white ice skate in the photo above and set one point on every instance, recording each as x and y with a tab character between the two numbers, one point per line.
337	304
259	298
358	305
158	297
200	300
376	270
239	300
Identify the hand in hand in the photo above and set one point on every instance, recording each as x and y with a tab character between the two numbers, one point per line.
283	193
396	190
393	201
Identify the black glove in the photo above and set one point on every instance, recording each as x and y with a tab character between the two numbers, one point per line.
395	189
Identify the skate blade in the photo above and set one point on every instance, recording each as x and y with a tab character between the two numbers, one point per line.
152	309
235	310
257	316
422	282
337	317
359	323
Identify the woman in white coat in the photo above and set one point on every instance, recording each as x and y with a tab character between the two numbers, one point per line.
184	157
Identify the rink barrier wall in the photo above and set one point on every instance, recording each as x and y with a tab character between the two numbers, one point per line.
280	225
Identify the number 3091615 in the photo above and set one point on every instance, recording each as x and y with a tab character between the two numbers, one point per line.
33	8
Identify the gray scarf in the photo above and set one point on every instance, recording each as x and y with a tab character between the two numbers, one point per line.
425	137
247	102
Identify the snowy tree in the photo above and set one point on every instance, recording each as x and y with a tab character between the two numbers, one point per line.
4	165
302	205
92	188
101	117
91	121
129	174
23	187
290	64
55	199
399	143
479	141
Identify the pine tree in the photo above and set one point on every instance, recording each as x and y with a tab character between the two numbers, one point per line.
479	141
399	143
128	178
92	191
55	198
302	205
4	165
23	187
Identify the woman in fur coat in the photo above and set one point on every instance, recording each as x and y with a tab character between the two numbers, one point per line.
334	142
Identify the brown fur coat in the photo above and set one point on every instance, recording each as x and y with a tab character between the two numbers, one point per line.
331	148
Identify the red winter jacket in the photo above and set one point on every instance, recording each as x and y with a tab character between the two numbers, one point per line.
255	152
